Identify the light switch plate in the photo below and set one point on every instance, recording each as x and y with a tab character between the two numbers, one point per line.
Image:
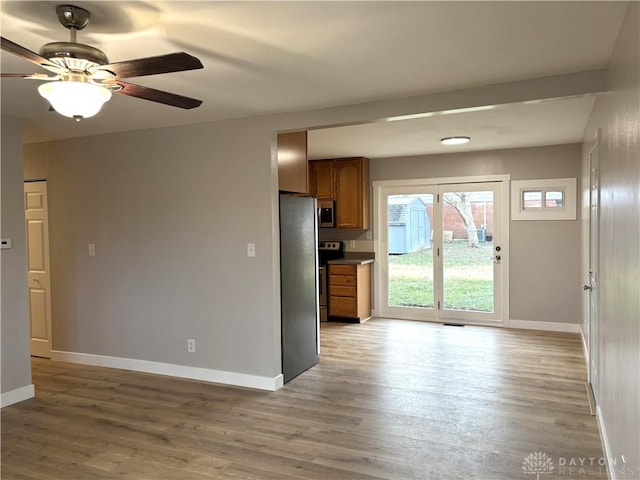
251	249
5	243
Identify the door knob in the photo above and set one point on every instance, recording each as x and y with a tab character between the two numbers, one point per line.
587	287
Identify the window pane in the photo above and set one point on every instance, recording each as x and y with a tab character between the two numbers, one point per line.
531	199
410	230
467	256
554	199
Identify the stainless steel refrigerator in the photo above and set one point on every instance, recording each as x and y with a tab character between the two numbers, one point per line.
299	284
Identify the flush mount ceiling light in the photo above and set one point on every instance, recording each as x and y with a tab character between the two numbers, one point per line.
455	140
83	79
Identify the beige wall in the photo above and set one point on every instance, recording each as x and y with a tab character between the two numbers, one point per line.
168	212
37	165
544	255
617	115
16	364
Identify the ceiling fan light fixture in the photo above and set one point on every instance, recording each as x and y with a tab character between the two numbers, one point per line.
75	99
458	140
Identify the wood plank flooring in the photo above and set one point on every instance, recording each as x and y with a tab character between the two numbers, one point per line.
390	400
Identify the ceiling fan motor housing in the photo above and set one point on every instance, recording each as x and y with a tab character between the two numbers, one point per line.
73	55
65	51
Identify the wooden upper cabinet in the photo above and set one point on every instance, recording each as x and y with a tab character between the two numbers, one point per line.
345	180
352	193
322	179
293	171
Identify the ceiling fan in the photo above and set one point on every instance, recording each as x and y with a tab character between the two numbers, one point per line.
83	79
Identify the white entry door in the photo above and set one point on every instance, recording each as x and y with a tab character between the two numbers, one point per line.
471	252
37	229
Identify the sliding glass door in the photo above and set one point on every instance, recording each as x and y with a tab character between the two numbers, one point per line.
411	280
443	256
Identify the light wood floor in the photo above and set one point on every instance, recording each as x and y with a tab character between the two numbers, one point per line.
389	400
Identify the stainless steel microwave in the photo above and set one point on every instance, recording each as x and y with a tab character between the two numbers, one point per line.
326	214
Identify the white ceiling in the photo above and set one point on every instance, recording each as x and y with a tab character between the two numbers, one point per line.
503	126
269	57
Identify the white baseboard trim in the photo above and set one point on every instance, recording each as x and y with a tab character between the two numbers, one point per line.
17	395
612	471
548	326
171	370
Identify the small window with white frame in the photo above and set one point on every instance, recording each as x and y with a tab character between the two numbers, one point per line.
542	198
553	199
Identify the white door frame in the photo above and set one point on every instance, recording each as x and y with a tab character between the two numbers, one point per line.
380	249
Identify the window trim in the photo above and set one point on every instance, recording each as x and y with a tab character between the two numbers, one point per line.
565	185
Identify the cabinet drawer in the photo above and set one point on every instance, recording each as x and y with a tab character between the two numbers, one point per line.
340	291
342	280
342	269
343	307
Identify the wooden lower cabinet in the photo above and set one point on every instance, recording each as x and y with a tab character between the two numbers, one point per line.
350	291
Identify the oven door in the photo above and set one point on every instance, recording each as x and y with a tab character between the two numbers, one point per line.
322	289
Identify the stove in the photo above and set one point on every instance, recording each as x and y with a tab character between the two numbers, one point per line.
331	250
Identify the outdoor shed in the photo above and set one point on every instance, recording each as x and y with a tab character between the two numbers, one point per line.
409	225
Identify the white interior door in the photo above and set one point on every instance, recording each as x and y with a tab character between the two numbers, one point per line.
37	229
592	287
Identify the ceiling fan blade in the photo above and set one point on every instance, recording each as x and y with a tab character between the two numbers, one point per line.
172	62
20	51
30	76
159	96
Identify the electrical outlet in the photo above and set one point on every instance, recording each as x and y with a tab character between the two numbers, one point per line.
191	345
92	249
352	244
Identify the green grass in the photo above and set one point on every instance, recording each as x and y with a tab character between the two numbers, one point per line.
407	292
468	283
